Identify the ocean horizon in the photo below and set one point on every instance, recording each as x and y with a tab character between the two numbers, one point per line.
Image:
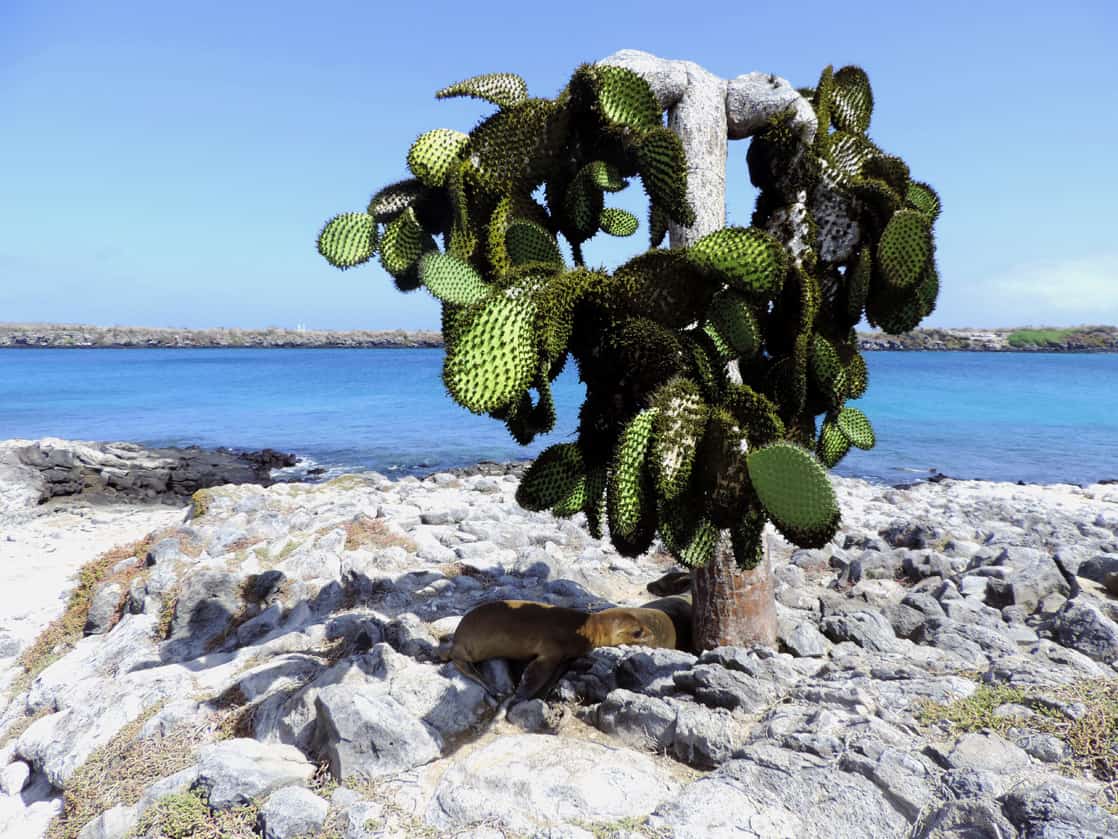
1038	417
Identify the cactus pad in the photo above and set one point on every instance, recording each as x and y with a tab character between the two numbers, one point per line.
855	426
663	169
557	478
851	100
833	444
681	418
747	258
699	549
722	468
527	242
662	285
617	222
904	248
922	197
747	540
606	177
502	89
404	241
494	356
348	239
451	280
857	377
795	492
626	488
735	322
434	153
624	98
389	202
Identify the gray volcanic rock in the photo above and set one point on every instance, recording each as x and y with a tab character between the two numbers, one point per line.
292	812
234	772
1083	627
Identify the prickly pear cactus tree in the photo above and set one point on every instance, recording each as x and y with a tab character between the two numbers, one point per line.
706	365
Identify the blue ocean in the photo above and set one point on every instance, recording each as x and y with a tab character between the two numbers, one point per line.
1039	418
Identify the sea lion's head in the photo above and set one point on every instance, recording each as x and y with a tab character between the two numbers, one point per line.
635	627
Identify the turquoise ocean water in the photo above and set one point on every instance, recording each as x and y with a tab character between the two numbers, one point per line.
1000	416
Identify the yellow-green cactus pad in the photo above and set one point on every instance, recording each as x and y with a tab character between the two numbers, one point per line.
833	444
922	197
452	280
527	242
606	177
857	377
662	166
404	241
904	248
389	202
625	98
821	101
700	547
751	260
793	488
681	417
348	239
747	540
626	497
721	345
434	153
502	89
617	222
493	359
556	479
851	100
513	148
734	319
856	427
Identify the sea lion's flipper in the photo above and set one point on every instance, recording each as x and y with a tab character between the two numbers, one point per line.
540	677
467	669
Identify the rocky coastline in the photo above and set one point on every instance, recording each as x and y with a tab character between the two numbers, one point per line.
1083	339
264	662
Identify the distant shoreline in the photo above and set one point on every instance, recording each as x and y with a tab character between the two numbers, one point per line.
1077	339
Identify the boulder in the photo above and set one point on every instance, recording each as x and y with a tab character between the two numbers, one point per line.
292	812
234	772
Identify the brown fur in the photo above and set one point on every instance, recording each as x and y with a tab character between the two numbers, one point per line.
674	582
678	608
548	637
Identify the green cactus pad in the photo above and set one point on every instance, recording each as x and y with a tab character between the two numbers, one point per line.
851	100
890	169
493	359
722	347
928	289
434	153
734	319
833	444
747	540
662	166
856	427
502	89
348	239
826	369
895	312
795	492
513	149
557	474
595	498
528	242
625	98
858	277
699	549
756	413
647	353
662	285
617	222
389	202
605	177
681	417
626	494
452	280
848	154
857	377
582	206
751	260
821	101
922	197
722	474
404	241
904	248
658	222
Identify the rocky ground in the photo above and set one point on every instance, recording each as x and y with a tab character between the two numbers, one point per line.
266	664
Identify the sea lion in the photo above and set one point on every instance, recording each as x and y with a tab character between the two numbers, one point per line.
678	608
548	637
674	582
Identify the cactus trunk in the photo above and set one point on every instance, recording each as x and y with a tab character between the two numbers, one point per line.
730	606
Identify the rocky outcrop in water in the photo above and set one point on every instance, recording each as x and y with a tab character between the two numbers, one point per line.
270	666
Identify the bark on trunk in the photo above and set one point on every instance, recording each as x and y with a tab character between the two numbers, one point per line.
732	607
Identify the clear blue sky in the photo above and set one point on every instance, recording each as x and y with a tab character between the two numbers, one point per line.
169	164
